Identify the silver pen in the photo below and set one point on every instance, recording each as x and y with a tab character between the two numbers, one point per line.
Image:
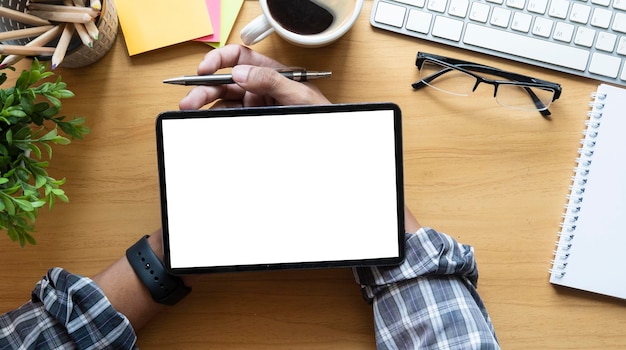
220	79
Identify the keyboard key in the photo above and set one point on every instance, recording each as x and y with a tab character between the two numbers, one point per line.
543	27
416	3
619	4
521	22
500	17
419	21
447	28
517	44
604	65
621	46
580	13
538	6
479	12
619	23
559	8
458	8
601	2
516	4
437	5
601	18
606	42
390	14
584	37
563	32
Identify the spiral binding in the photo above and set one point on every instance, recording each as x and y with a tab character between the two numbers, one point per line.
577	189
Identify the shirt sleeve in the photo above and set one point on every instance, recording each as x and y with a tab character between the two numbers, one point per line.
430	300
66	311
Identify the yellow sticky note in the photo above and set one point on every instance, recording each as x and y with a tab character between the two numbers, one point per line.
152	24
230	11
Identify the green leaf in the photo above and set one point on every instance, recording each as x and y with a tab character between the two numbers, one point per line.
40	181
9	137
35	150
49	136
48	149
60	140
55	101
9	101
30	239
24	204
16	112
8	203
38	204
3	180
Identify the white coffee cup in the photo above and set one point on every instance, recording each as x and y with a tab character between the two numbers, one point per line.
344	13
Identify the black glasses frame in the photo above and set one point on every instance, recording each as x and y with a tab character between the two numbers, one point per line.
469	68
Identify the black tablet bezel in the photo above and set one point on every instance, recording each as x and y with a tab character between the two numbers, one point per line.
282	110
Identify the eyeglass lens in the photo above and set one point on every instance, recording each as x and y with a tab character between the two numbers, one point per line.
459	83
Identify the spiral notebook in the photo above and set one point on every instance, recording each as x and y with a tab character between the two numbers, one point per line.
590	249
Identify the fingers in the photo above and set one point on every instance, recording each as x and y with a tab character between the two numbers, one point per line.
257	82
267	81
232	55
203	95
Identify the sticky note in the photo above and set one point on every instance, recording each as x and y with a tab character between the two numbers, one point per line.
153	24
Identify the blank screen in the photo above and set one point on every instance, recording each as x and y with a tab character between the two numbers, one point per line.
296	188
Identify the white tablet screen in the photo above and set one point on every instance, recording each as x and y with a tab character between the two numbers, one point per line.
281	188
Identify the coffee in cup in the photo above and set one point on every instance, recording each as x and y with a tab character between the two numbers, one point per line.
309	23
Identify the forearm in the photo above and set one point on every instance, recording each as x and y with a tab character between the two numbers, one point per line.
126	291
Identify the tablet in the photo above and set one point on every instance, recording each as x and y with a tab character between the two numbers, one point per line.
281	187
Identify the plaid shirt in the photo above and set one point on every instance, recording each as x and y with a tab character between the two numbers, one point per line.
428	302
66	311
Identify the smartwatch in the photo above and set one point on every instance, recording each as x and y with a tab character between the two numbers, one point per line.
164	288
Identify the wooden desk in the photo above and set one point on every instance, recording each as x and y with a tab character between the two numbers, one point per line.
489	176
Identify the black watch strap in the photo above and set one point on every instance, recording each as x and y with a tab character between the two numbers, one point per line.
164	288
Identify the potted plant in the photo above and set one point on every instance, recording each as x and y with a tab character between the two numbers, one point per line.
29	125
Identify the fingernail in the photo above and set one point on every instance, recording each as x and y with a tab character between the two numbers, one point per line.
240	73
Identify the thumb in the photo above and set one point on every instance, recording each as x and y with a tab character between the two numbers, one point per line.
268	82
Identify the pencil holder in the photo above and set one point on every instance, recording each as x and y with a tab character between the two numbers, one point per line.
78	55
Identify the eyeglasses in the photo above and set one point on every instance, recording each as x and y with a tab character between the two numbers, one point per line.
460	78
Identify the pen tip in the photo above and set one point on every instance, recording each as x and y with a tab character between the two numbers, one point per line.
175	81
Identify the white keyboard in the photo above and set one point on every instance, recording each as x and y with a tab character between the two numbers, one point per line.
586	38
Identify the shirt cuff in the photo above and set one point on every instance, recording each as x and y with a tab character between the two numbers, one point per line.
428	253
79	305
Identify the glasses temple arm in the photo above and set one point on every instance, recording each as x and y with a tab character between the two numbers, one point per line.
424	81
540	106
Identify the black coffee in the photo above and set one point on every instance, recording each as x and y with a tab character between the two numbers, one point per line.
300	16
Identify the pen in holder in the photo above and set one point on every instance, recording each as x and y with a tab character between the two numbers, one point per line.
78	54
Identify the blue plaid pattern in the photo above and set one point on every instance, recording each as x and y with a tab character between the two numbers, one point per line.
66	312
430	300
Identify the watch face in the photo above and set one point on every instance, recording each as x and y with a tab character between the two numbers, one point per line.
281	187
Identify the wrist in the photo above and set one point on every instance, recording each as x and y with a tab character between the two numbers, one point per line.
146	259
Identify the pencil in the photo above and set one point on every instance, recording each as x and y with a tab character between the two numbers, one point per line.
25	50
64	42
22	17
24	33
95	4
68	17
92	29
41	40
83	35
63	8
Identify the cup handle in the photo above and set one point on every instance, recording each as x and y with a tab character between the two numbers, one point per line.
255	31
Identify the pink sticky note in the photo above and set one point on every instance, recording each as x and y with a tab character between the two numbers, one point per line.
214	8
